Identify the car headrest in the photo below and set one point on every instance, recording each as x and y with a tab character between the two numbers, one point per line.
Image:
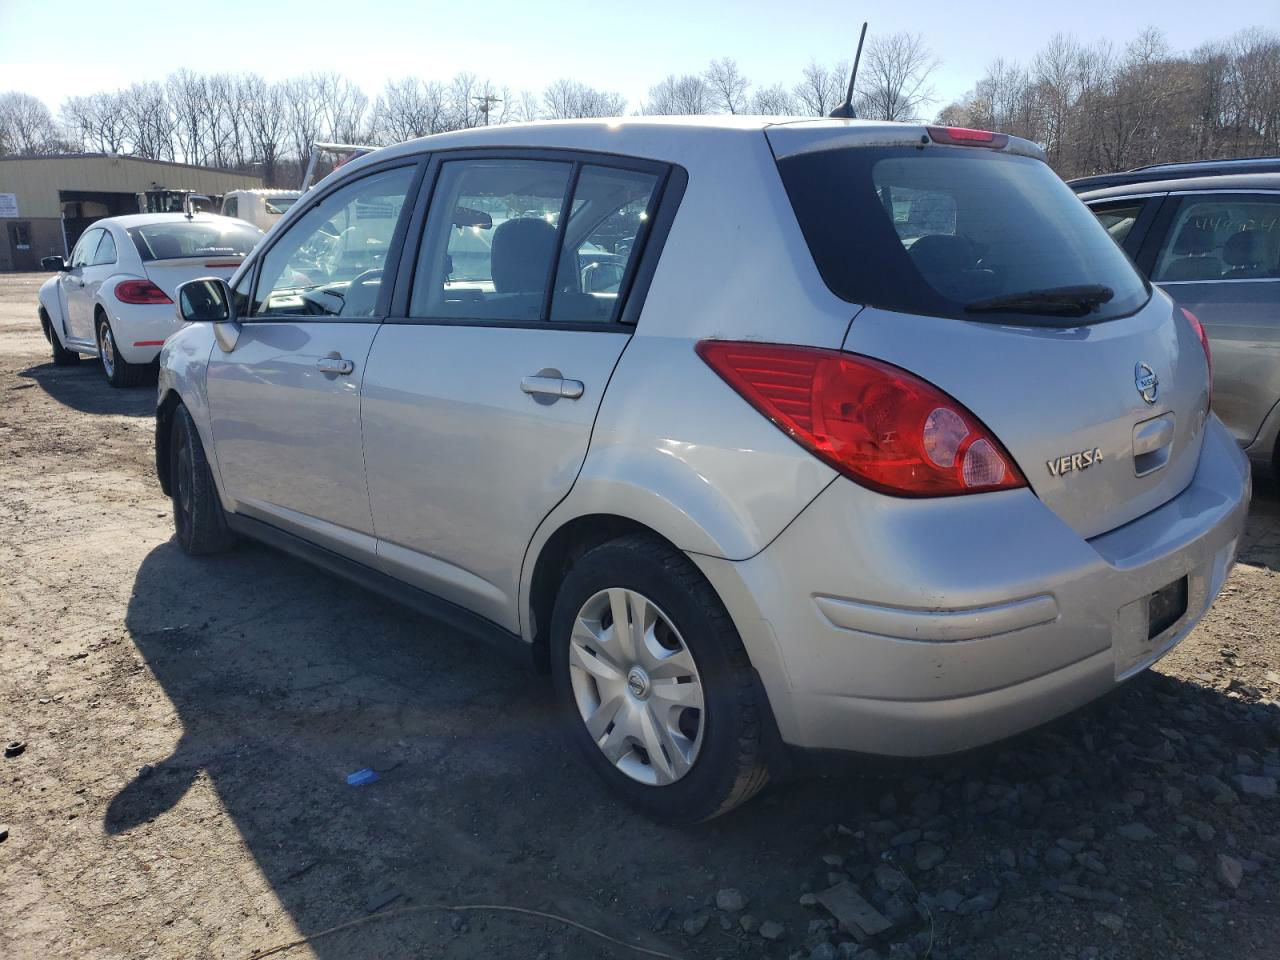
521	255
1193	240
938	254
1244	249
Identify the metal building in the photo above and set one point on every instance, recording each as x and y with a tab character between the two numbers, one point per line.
47	202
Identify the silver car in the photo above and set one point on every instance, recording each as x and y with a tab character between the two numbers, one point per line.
1208	234
763	437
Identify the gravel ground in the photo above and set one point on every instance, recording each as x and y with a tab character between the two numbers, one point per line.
188	727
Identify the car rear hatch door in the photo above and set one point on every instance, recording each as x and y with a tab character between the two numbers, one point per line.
168	274
1069	405
981	272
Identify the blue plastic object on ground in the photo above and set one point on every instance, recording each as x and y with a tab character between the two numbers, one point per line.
361	777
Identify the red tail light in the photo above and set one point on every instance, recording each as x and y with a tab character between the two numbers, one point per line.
140	291
964	137
875	423
1204	344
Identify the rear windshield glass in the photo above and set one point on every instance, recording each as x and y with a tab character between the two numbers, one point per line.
957	232
170	241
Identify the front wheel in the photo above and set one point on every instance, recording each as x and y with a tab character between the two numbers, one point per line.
654	683
119	371
199	521
62	357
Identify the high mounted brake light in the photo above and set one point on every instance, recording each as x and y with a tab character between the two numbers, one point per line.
964	137
877	424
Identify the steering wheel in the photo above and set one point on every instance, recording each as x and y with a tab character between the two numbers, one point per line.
375	273
356	294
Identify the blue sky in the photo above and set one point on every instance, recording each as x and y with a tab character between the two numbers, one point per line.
53	50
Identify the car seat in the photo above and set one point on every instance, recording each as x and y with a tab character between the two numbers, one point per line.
1194	247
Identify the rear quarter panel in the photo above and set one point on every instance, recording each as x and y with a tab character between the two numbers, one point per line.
673	446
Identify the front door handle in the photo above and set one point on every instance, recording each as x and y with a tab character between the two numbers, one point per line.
548	386
335	365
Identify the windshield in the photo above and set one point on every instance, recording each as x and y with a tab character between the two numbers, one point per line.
950	231
178	239
280	204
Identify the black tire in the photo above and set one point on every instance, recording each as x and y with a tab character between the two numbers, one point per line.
62	357
729	767
200	524
118	371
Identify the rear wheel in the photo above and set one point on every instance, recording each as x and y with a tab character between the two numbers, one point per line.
200	524
119	371
62	357
654	683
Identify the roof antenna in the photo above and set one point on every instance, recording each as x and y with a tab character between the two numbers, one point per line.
845	111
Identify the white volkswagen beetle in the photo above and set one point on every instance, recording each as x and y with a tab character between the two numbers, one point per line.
114	298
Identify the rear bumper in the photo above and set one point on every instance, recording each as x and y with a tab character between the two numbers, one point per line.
924	627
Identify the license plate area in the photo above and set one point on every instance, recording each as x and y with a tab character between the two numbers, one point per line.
1166	607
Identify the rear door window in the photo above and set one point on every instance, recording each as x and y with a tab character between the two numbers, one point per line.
499	227
950	231
611	209
491	239
1221	237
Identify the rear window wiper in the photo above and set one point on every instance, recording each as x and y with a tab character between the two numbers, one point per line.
1068	301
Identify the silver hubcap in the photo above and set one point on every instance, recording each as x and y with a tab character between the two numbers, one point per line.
108	351
636	687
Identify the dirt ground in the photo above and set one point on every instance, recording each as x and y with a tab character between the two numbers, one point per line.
189	725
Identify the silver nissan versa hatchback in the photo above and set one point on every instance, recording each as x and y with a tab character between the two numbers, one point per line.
761	436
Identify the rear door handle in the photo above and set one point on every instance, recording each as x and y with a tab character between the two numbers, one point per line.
334	365
545	386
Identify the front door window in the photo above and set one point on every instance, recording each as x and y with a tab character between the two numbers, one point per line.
330	261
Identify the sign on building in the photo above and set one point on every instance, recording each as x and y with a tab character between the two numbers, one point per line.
8	204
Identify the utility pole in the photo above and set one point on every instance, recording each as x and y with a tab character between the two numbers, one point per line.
486	104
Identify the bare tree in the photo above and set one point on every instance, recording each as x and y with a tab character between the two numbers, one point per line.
26	125
149	125
1096	110
465	93
821	89
774	101
343	108
410	108
568	99
96	122
267	123
893	78
527	107
302	112
674	96
188	95
727	85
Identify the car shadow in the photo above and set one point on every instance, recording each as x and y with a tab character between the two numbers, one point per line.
285	680
84	388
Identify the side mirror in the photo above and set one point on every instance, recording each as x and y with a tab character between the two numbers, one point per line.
54	263
207	300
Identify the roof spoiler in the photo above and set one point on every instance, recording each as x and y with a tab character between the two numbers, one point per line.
347	152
